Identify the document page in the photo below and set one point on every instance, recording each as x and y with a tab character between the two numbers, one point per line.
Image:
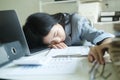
72	51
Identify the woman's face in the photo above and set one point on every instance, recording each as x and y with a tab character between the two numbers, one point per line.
56	35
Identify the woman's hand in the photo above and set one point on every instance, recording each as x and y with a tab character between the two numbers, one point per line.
97	52
60	45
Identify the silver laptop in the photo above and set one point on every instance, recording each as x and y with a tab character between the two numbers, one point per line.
13	44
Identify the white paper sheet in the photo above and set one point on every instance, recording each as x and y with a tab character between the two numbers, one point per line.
73	50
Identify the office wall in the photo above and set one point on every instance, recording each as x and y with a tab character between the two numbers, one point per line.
57	6
23	7
111	5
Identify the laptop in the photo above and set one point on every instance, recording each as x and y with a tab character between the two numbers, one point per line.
13	44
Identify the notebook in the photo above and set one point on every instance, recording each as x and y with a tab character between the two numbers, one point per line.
13	44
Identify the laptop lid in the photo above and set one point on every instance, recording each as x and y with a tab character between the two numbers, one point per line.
13	44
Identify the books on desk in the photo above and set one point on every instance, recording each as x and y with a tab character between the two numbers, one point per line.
109	16
110	13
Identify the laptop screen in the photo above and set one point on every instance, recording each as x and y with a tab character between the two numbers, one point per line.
12	39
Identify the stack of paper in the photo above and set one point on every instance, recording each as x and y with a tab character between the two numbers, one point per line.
115	51
49	64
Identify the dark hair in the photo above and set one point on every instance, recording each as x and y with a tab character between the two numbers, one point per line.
39	25
36	27
62	18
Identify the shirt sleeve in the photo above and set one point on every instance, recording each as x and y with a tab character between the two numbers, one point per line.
88	32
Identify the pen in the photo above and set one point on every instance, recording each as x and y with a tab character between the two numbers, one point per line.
4	79
29	65
93	66
72	55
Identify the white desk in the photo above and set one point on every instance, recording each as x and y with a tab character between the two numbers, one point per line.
81	73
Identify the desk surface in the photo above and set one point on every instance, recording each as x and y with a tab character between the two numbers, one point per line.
81	73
